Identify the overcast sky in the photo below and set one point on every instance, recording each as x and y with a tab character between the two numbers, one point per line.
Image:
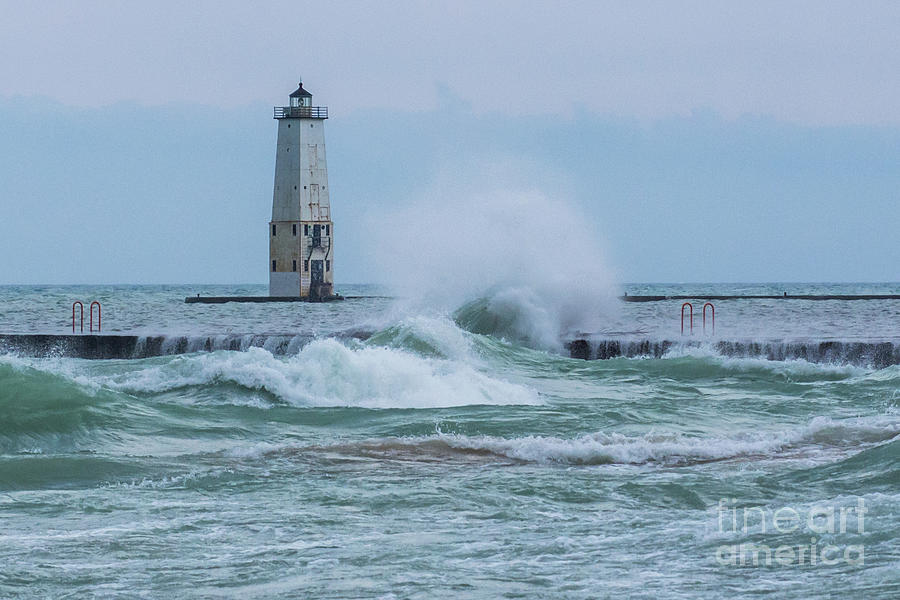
811	62
787	111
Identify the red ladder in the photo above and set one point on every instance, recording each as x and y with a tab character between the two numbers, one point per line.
80	305
98	316
691	307
709	304
78	302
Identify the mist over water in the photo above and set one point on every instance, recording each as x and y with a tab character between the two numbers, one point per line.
529	258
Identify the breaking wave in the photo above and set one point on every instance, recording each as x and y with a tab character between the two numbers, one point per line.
324	373
599	448
536	318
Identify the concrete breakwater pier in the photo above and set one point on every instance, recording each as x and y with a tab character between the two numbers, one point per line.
105	346
877	354
198	299
223	299
874	354
784	296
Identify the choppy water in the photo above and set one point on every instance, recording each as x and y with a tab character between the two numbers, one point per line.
431	461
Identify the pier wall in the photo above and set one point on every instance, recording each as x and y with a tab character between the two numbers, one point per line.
142	346
102	346
869	354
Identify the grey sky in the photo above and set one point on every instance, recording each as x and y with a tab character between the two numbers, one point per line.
812	62
715	141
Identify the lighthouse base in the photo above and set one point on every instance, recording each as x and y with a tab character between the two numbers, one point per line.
283	285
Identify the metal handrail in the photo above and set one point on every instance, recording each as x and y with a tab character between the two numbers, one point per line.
692	317
91	321
79	303
301	112
709	304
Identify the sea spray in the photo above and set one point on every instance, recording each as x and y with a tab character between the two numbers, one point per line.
532	255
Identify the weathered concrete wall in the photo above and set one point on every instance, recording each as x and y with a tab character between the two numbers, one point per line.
301	199
285	250
301	172
869	354
284	284
102	346
138	346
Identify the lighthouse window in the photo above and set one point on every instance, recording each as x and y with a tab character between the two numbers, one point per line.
289	125
326	230
294	231
306	266
273	266
306	229
273	229
294	266
295	187
327	265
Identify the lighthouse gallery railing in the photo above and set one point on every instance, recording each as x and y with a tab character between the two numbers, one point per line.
302	112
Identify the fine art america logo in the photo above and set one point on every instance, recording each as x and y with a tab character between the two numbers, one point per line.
822	523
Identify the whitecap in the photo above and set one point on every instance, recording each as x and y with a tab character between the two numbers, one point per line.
328	373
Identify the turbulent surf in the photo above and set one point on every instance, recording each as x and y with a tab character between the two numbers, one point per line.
463	452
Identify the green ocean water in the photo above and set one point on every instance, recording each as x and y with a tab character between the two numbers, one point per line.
431	461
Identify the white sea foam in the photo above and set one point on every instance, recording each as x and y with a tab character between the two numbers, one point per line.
328	373
601	448
796	366
173	481
440	333
604	448
664	448
61	367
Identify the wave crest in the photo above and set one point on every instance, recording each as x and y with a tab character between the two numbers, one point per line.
599	448
328	373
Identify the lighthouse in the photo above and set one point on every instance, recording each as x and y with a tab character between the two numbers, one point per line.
301	233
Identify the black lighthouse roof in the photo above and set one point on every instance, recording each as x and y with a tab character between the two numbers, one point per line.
300	92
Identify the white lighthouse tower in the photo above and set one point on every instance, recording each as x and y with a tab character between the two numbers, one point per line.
301	233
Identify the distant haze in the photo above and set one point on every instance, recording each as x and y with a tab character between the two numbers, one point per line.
697	141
